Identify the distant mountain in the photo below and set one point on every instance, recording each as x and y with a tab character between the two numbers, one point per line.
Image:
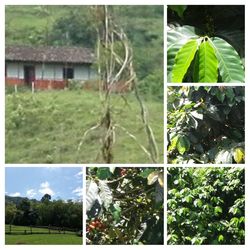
17	200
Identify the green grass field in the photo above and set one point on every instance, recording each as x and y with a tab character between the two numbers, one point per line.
23	22
34	239
41	239
48	126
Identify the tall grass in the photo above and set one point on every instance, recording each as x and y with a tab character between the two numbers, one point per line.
47	127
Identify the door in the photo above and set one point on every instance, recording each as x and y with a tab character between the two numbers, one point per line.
29	74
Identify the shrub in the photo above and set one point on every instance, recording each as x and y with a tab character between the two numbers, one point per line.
206	124
124	205
206	206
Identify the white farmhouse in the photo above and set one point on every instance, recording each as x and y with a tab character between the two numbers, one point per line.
47	67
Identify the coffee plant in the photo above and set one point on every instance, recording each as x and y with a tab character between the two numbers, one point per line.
206	124
124	205
201	55
206	206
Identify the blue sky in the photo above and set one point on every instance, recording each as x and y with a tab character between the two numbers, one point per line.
33	182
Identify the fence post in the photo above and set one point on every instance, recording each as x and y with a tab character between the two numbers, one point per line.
49	229
33	87
10	228
15	88
30	229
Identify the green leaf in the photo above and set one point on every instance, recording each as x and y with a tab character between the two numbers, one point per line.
198	203
230	65
220	95
217	210
117	212
173	143
220	238
208	63
242	219
183	60
145	173
183	144
234	210
176	38
188	199
179	9
239	155
229	93
234	222
103	173
170	219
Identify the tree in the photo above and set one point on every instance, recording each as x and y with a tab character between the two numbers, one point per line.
10	213
23	215
75	28
44	213
46	198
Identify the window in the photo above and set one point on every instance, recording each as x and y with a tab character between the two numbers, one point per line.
68	73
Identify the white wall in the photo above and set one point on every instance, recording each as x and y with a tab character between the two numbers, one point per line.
15	70
81	72
38	71
51	71
58	72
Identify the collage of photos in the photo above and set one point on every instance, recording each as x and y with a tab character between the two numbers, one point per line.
96	154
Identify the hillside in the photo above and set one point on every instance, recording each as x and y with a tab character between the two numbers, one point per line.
15	200
48	126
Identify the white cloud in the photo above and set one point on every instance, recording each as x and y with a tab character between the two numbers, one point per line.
45	188
79	174
78	191
31	193
16	194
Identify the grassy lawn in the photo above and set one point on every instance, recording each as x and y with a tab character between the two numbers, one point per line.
48	239
47	127
19	238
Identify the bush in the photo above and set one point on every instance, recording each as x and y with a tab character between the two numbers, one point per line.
206	124
152	85
124	205
75	84
206	206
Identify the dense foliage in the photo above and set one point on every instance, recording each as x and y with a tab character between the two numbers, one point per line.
124	205
206	124
26	212
206	206
199	50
